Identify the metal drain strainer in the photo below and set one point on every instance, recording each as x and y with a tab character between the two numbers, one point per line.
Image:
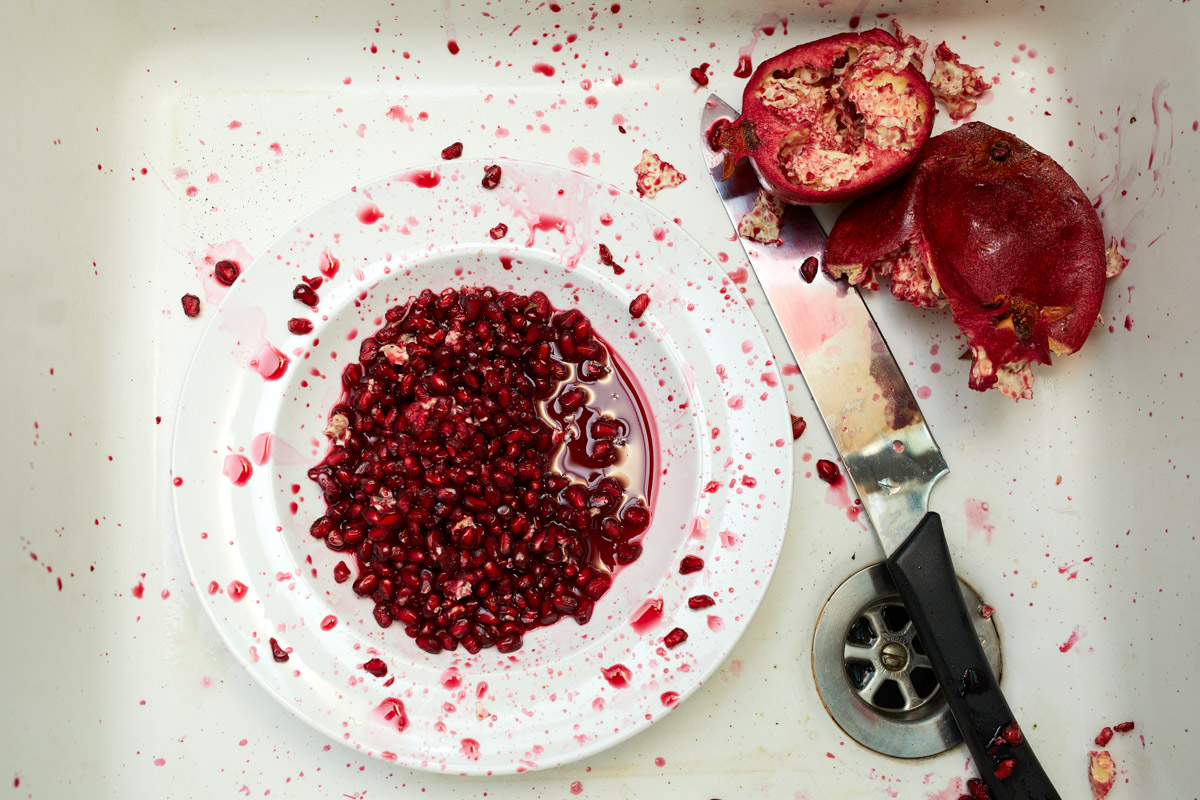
873	674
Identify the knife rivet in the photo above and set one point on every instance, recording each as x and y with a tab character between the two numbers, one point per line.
894	657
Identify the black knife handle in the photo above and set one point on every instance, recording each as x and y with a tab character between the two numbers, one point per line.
928	585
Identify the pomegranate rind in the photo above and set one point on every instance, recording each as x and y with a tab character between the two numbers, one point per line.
654	175
1102	773
761	223
956	85
832	119
1002	233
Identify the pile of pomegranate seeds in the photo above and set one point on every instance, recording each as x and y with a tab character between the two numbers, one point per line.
469	474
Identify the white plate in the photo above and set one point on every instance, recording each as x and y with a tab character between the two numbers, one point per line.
705	373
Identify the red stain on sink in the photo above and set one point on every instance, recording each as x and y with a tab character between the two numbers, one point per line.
977	513
1071	641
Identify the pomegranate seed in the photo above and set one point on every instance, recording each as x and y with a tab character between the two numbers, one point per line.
429	644
305	294
978	790
699	601
606	258
491	176
341	572
376	667
366	583
690	564
314	282
798	426
986	611
452	152
509	642
499	232
1123	727
675	637
1104	737
638	305
627	553
227	272
1005	768
700	74
277	652
1010	734
191	305
828	471
808	269
299	326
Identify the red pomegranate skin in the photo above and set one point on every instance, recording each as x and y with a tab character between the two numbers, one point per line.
831	120
996	230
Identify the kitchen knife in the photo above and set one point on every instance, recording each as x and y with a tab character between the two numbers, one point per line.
893	462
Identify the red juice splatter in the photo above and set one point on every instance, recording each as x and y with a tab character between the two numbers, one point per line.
426	179
618	675
270	363
237	468
260	448
369	214
391	711
647	615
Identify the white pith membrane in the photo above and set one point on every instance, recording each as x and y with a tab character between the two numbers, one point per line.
843	117
955	84
654	175
762	222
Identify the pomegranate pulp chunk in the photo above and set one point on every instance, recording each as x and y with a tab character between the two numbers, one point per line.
491	468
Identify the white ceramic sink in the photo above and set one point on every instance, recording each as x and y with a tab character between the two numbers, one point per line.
1072	514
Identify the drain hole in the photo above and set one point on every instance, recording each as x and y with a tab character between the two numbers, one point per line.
861	633
895	617
859	673
917	646
889	697
924	681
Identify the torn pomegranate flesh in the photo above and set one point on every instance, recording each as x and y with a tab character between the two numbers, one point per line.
491	469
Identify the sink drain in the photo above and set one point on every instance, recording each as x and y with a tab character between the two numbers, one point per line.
873	674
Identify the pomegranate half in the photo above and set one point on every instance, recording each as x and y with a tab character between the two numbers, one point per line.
832	119
997	230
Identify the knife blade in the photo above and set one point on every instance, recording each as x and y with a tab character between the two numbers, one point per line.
892	461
